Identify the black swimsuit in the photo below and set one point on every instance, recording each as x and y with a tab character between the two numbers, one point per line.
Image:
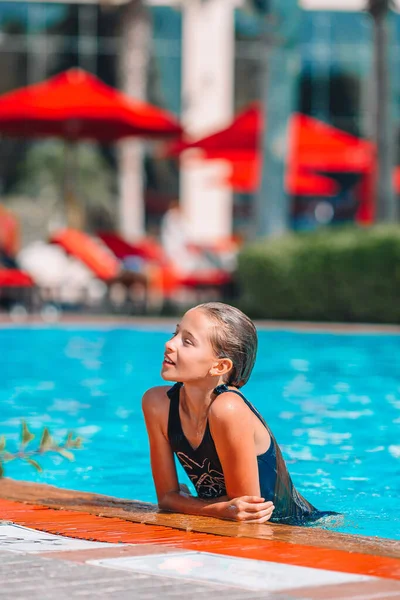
204	469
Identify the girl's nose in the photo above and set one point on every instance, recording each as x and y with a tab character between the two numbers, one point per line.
170	345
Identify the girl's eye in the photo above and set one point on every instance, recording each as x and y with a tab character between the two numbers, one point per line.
188	341
174	334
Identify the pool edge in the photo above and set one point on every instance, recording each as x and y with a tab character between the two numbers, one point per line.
104	518
156	321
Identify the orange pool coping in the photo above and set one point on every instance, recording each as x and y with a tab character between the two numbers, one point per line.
106	519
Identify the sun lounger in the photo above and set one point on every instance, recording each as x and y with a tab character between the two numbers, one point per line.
165	276
104	264
16	287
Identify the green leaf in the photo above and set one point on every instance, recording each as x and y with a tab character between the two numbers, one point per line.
77	443
2	442
73	443
34	464
8	457
66	454
26	435
46	441
1	470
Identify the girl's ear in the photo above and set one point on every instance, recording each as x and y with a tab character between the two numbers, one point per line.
222	367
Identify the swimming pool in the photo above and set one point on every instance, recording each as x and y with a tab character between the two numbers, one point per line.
333	402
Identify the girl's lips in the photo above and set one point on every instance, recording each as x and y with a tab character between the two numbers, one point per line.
167	361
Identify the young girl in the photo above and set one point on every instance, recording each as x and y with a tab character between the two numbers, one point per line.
222	442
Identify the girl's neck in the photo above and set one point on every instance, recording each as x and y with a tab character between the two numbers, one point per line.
195	400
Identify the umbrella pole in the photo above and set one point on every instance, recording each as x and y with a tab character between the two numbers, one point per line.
74	214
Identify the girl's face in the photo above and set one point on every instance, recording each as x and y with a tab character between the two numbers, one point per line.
189	355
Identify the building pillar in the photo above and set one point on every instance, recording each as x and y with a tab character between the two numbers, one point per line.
387	205
135	39
282	67
207	105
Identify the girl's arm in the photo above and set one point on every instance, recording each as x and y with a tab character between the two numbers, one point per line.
247	508
232	428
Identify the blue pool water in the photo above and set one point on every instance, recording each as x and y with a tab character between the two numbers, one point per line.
333	402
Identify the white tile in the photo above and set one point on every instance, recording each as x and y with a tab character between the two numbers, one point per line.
238	572
21	539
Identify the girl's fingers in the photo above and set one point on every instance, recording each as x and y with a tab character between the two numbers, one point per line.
262	513
261	516
250	517
254	508
260	521
252	499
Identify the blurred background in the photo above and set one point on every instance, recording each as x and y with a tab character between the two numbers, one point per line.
261	117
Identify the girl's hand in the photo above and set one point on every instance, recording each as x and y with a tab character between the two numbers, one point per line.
248	509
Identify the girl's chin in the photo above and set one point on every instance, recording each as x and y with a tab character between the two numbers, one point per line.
166	377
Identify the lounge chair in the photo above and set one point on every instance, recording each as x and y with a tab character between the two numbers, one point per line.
105	266
16	287
165	277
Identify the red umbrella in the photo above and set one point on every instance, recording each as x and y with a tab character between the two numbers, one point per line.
303	183
245	172
238	144
243	133
76	105
318	147
396	180
314	145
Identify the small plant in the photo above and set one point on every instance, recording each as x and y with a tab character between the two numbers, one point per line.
47	444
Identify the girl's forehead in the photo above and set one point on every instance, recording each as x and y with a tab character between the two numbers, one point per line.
196	321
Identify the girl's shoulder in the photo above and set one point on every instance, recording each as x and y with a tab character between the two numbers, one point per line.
228	405
231	405
155	398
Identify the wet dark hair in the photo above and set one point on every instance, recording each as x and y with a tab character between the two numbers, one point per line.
233	336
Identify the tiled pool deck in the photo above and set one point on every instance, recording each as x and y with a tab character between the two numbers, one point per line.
139	553
332	565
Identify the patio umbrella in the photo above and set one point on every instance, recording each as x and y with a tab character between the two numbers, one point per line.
316	146
396	180
305	183
319	148
76	105
239	144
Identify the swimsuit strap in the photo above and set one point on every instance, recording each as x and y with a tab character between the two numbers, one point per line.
174	423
